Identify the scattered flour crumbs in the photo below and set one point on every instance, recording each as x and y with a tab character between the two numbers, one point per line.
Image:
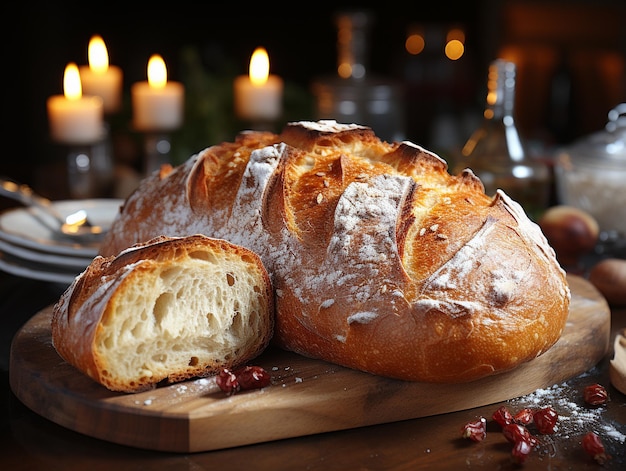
575	417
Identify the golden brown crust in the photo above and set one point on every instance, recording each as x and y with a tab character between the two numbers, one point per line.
381	260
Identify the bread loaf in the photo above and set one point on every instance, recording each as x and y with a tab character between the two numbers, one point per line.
168	309
380	259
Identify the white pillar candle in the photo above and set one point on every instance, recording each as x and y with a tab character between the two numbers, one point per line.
258	96
158	105
100	78
75	119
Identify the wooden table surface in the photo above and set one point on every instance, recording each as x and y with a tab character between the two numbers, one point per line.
30	442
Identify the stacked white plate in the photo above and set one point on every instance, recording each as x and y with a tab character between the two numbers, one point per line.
31	249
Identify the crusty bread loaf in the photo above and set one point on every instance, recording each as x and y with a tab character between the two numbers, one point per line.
381	260
168	309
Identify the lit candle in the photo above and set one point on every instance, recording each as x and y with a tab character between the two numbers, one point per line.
75	119
157	104
100	78
258	96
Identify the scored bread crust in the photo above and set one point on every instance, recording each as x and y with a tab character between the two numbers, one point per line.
380	259
166	309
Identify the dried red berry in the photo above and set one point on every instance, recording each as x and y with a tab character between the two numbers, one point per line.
516	432
227	381
593	447
252	377
503	416
475	430
545	419
595	395
247	377
524	416
521	450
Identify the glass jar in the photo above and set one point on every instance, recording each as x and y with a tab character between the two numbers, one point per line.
591	175
496	153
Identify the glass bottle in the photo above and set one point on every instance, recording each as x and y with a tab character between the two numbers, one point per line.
496	153
352	44
354	94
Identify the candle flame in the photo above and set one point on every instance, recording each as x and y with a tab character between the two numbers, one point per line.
259	67
157	72
72	88
98	56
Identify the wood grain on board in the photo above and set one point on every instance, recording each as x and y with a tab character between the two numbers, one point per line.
306	396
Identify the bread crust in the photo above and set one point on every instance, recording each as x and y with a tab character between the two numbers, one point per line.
94	300
381	260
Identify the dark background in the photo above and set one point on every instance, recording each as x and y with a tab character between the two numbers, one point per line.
578	45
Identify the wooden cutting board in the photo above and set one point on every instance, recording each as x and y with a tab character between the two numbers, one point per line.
306	396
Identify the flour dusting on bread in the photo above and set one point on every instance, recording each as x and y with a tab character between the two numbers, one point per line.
380	259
